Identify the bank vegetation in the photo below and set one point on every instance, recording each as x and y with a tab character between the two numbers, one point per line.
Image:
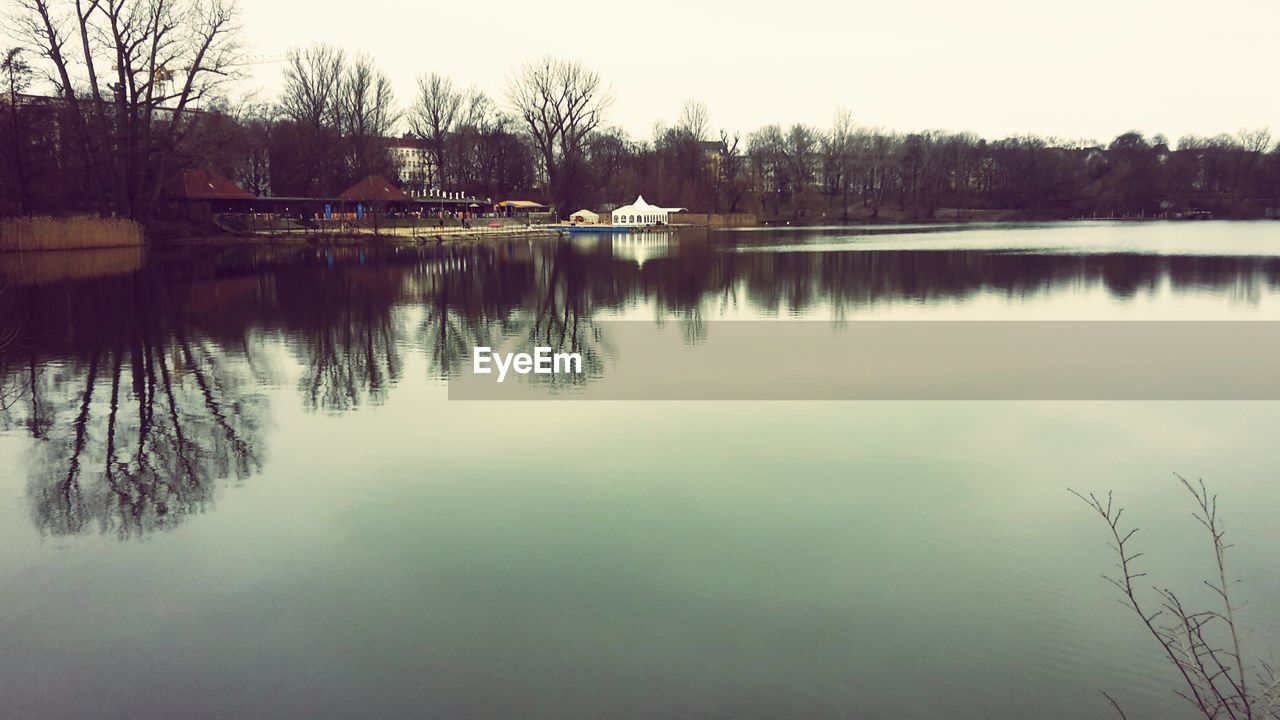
70	233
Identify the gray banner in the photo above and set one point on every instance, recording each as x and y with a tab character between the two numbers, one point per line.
867	360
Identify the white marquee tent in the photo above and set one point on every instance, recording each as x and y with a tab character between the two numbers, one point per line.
642	213
585	217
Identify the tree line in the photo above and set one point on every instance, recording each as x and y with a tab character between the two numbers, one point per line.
141	92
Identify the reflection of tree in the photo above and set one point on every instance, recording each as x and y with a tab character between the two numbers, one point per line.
131	433
136	390
467	296
153	427
349	364
563	313
9	390
350	345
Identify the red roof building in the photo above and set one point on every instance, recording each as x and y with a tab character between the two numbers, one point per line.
204	184
375	189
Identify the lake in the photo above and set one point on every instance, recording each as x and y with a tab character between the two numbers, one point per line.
232	484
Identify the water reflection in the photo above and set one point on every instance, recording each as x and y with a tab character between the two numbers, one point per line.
143	387
344	338
641	247
134	412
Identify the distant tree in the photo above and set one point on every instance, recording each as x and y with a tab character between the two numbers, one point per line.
875	150
561	102
307	160
800	152
731	182
1253	147
312	83
434	116
366	117
768	170
253	172
837	160
477	116
17	78
694	121
1129	185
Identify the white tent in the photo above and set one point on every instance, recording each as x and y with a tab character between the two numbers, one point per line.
586	217
642	213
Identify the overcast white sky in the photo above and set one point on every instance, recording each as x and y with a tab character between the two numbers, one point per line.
1082	69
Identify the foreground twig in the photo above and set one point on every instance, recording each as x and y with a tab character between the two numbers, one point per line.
1203	645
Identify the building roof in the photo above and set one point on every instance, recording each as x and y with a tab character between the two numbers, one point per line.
204	184
375	189
409	142
521	204
641	207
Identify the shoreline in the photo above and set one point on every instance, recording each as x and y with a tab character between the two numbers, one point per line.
436	236
458	235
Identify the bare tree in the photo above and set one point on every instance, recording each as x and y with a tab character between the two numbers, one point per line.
694	120
313	79
875	151
801	153
129	72
253	172
768	166
729	172
366	117
1254	144
477	120
837	150
434	116
17	78
561	103
312	82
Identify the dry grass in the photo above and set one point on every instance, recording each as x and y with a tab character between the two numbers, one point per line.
73	233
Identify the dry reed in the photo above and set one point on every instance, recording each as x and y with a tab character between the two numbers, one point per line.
72	233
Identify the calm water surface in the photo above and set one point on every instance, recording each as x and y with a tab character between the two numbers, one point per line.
232	485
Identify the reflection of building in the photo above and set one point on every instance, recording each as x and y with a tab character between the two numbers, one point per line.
642	213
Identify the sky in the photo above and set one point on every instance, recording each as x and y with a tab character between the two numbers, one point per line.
1088	69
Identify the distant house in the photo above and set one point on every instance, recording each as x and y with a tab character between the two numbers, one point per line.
201	192
204	184
375	189
642	213
413	164
377	195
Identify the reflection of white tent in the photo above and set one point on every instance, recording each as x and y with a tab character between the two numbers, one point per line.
641	246
642	213
585	217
